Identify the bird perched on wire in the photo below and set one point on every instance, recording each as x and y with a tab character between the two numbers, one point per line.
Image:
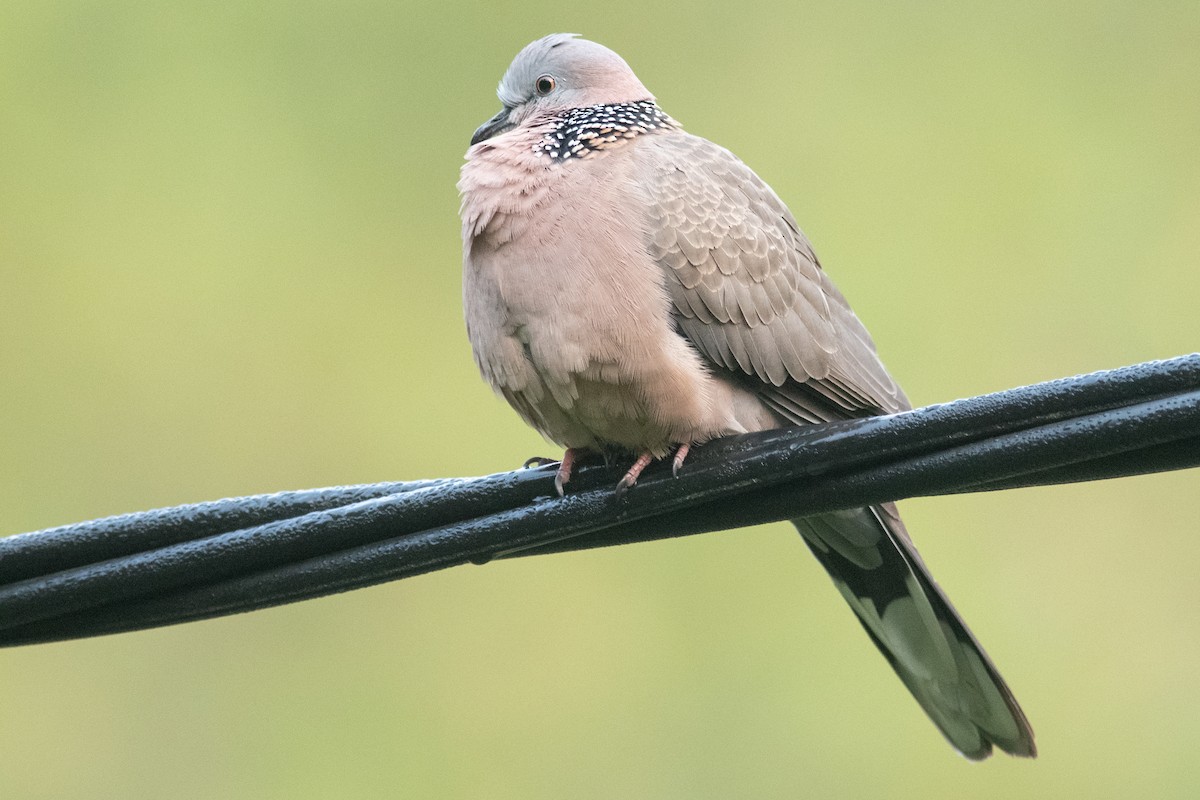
631	287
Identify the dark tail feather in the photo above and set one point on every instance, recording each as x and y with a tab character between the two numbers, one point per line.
868	554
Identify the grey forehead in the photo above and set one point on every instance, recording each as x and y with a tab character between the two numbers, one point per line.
557	53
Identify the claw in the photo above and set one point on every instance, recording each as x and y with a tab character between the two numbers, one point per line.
677	462
537	461
563	476
630	479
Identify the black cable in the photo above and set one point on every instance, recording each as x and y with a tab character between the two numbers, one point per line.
205	560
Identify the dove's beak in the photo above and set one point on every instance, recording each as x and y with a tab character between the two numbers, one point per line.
493	127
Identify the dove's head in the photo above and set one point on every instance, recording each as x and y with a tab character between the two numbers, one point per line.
558	72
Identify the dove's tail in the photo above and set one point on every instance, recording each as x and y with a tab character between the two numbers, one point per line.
868	554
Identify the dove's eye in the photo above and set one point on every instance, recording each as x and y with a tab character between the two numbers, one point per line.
544	85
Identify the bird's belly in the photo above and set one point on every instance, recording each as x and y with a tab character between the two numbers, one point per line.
600	408
648	402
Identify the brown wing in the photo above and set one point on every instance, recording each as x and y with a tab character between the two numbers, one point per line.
750	295
748	290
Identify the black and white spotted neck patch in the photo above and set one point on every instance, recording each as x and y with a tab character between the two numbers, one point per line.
579	132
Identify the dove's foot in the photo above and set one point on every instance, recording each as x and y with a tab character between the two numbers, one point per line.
563	476
634	472
644	460
677	462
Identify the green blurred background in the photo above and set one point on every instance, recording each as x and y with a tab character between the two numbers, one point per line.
229	264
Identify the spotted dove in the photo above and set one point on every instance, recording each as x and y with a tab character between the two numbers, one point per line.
631	287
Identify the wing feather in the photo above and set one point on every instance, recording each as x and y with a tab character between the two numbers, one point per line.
748	291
